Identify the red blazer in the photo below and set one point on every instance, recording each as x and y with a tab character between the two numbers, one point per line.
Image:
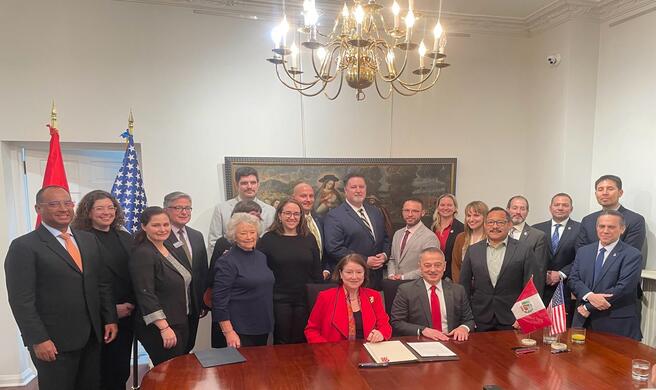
329	318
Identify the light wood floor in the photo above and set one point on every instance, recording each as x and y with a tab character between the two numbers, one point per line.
143	368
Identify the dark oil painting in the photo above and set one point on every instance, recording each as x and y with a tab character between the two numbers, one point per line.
389	180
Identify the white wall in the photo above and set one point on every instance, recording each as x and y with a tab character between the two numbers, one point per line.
624	135
200	92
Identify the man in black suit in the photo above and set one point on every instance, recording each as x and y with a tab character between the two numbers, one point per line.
355	227
608	191
60	296
304	194
416	304
560	234
494	273
533	238
189	246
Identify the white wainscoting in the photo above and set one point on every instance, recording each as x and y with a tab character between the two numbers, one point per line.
648	323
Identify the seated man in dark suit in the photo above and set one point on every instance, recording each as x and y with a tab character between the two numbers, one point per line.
560	234
355	227
494	273
430	297
605	277
61	296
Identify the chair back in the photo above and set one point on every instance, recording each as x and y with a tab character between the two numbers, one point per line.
389	291
313	290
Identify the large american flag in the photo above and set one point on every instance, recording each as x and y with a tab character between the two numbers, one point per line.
128	186
556	311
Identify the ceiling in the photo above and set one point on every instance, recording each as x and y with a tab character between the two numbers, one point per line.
511	17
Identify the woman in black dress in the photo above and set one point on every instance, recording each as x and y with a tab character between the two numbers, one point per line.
100	213
293	256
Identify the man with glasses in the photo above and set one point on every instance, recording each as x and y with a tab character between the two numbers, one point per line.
409	242
189	246
494	273
429	306
248	183
61	296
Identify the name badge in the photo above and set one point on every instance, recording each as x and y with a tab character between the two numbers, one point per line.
177	244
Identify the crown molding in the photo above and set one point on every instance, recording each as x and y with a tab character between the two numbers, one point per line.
552	15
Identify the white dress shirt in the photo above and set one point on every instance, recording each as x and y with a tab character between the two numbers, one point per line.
57	234
357	211
609	248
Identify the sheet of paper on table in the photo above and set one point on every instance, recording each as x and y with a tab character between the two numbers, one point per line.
431	348
394	351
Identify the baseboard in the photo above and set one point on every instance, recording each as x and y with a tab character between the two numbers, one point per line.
21	379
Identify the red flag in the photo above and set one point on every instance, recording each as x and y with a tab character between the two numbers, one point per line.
529	310
55	174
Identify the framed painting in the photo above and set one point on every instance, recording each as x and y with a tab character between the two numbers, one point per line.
389	180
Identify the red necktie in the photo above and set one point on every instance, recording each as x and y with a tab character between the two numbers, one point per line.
435	310
405	239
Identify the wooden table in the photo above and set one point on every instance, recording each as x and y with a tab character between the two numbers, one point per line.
603	362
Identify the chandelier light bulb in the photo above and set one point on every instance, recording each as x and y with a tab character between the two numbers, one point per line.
276	37
358	14
410	19
345	11
310	13
396	8
422	48
437	31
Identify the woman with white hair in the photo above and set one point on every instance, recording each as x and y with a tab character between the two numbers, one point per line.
242	294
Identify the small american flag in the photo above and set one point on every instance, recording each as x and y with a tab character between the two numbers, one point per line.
556	311
128	186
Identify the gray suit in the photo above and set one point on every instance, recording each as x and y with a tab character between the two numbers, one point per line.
411	310
491	304
535	239
407	264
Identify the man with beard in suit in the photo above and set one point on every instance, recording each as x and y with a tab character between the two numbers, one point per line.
61	296
355	227
560	235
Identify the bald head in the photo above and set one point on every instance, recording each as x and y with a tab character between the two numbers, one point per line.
304	194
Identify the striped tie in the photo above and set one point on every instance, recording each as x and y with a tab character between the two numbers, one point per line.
363	217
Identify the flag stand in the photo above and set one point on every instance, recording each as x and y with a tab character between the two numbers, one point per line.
529	341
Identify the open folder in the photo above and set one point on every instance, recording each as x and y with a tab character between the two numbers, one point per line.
390	352
219	356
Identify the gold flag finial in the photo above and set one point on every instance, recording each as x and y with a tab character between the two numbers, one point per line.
130	122
53	115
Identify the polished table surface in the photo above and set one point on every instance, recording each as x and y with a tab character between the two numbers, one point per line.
603	362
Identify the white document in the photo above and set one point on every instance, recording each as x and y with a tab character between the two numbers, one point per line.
431	348
390	351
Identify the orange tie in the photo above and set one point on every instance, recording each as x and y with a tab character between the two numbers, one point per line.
72	250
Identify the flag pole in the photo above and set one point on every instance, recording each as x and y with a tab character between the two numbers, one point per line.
53	115
135	341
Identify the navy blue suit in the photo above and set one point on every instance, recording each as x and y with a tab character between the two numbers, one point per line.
560	260
325	263
619	276
634	234
346	233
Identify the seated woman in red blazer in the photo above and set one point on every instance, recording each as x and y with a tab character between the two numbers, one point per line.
349	311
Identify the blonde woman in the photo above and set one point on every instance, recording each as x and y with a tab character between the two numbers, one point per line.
446	226
475	213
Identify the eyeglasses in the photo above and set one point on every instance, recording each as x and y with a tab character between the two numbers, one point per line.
68	204
179	209
101	208
496	223
290	214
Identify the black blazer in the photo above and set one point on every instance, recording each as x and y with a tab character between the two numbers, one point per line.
120	272
199	266
157	284
634	234
49	296
560	260
489	301
457	227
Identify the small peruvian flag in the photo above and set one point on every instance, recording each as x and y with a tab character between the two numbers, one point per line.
529	309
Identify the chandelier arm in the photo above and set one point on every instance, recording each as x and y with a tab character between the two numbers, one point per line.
421	89
295	88
333	77
314	93
421	81
380	93
284	67
341	82
403	93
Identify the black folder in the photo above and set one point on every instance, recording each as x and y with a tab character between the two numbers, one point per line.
219	356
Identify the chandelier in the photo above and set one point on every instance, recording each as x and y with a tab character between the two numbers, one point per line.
361	48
